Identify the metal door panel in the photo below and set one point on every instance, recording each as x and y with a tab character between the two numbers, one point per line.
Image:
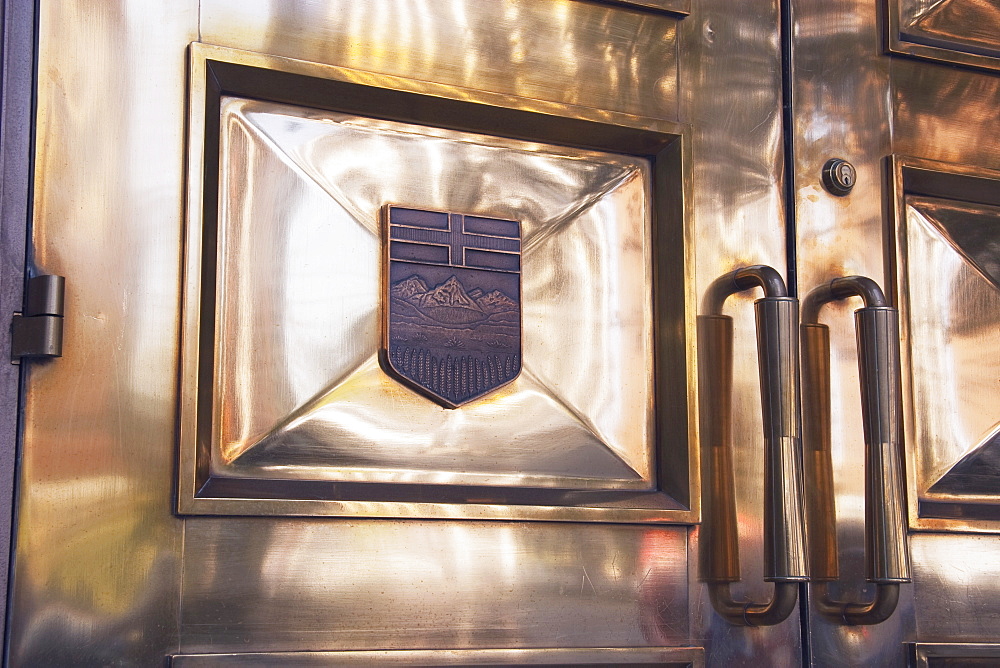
236	445
322	584
945	113
730	94
839	82
97	562
315	381
859	104
956	595
104	572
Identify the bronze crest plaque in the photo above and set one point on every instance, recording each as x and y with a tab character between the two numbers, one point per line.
453	303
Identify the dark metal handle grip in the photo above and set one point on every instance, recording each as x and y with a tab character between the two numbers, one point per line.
885	522
777	347
778	361
886	559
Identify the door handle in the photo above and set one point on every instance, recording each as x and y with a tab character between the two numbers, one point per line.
777	348
886	558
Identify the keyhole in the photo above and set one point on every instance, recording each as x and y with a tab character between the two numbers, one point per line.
846	175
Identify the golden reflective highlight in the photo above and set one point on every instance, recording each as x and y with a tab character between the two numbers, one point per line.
300	394
106	571
952	336
559	50
420	584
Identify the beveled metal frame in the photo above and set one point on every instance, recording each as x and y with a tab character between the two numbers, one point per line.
216	71
677	7
919	176
674	657
898	42
923	654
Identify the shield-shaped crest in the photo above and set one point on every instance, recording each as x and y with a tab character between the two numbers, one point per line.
452	315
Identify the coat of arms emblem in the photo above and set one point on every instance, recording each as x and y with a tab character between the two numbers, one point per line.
453	304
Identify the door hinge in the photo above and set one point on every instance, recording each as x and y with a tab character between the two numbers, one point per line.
38	330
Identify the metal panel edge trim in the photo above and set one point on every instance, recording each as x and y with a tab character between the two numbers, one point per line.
920	176
661	140
16	139
922	652
16	150
679	8
668	656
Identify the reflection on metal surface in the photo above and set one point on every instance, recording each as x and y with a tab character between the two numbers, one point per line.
561	51
320	583
946	220
299	395
452	305
956	583
673	657
959	31
96	573
842	102
777	344
730	93
105	572
886	559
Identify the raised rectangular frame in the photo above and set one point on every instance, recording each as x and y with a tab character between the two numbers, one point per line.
909	176
926	44
217	72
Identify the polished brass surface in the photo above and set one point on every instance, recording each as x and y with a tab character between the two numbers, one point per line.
105	572
730	93
777	345
945	216
278	385
817	456
886	556
957	655
97	550
843	99
321	584
854	101
563	51
301	394
956	586
677	657
956	31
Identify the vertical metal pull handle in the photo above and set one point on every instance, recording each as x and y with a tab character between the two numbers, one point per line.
886	559
777	347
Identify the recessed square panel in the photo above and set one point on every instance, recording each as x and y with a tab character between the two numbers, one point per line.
305	196
394	317
955	31
948	269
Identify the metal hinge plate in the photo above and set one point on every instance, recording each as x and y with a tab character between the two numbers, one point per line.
38	330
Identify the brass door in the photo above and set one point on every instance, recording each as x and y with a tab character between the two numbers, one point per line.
220	471
907	92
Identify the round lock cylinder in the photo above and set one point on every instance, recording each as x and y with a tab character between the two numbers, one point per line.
839	176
